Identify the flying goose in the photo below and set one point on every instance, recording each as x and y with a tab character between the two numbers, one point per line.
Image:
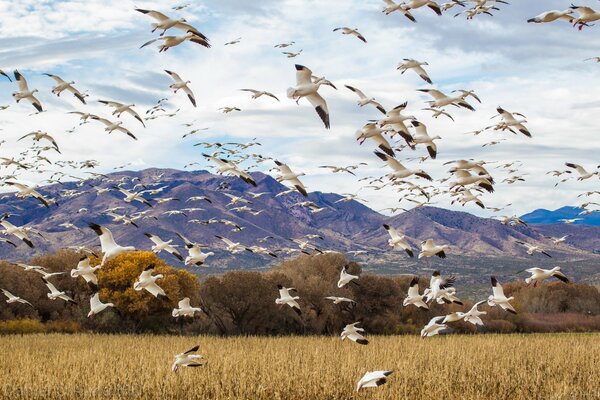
553	15
107	243
464	178
181	84
286	174
350	31
258	93
56	294
413	297
233	247
113	126
415	65
399	170
165	23
339	300
286	298
195	254
442	100
532	249
62	85
185	309
434	327
86	271
583	174
539	274
25	191
472	316
173	41
121	108
373	379
229	167
509	121
395	120
398	241
25	93
132	196
305	87
371	131
18	231
559	240
291	54
160	245
414	4
421	137
586	14
498	298
429	248
11	298
187	359
441	290
352	332
364	100
97	306
345	277
147	281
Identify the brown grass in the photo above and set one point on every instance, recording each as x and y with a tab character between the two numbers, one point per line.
549	366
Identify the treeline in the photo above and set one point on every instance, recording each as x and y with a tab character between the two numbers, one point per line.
243	303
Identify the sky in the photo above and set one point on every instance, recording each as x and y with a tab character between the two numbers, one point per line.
537	70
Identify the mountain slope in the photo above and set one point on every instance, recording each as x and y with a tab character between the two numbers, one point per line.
543	216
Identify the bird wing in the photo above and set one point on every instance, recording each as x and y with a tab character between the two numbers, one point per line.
174	75
303	75
320	105
184	303
154	14
56	78
497	288
357	91
21	81
190	95
107	242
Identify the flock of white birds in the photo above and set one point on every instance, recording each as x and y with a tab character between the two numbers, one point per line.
469	179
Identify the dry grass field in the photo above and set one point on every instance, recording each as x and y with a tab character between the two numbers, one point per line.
561	366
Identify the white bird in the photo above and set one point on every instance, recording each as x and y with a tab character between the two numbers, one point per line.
187	359
441	289
351	31
185	309
339	300
258	93
11	298
398	241
413	297
148	281
56	294
165	23
25	93
399	170
441	100
532	249
352	332
559	240
364	100
86	271
305	87
509	121
181	84
414	4
132	196
371	131
421	137
499	299
286	174
195	254
18	231
571	220
96	306
25	191
429	249
539	275
107	243
433	327
373	379
553	15
395	119
121	108
586	14
173	41
233	247
61	86
160	245
110	126
345	277
415	65
583	173
229	167
286	298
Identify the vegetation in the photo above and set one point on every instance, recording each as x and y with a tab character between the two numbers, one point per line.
516	367
243	303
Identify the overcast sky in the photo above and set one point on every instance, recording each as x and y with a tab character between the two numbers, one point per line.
537	70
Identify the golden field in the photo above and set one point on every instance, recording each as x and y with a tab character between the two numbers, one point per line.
545	366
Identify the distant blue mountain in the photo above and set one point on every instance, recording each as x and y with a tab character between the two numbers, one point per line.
545	217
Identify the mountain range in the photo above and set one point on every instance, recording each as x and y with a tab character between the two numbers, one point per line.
343	225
